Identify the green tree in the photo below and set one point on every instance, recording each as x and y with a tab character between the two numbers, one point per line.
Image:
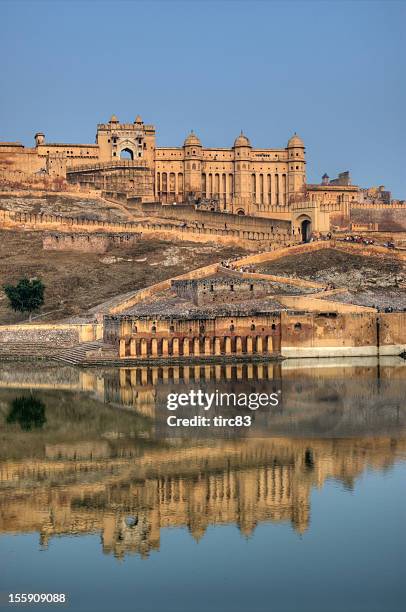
26	296
28	411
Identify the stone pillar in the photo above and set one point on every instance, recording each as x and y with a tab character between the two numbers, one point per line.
175	374
217	372
217	346
260	344
154	375
154	347
165	347
249	344
196	346
186	374
207	346
269	346
144	347
175	347
186	351
133	377
228	372
250	371
133	347
144	376
227	345
238	345
122	348
260	371
239	371
207	372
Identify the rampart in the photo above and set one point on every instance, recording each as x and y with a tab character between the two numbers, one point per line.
87	243
190	213
166	230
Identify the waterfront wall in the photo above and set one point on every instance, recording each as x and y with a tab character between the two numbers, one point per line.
42	340
323	332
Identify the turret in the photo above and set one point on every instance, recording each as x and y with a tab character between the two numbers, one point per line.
296	165
243	193
193	165
39	139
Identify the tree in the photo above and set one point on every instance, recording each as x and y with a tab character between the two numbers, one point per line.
26	296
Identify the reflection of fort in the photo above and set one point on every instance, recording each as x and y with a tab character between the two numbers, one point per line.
89	470
130	500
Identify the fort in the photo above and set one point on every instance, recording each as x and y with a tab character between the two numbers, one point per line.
255	199
269	184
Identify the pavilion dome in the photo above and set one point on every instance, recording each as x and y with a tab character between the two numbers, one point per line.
191	140
242	141
138	119
295	141
113	119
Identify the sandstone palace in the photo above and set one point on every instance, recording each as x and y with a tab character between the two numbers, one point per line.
242	180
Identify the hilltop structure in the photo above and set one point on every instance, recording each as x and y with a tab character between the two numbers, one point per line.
242	180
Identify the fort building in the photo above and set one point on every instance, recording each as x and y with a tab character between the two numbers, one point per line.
241	179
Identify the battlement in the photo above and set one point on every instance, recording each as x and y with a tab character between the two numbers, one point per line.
87	242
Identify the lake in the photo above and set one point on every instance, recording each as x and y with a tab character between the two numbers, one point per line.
304	511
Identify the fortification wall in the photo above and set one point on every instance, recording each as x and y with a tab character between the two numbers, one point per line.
389	218
87	243
188	212
162	230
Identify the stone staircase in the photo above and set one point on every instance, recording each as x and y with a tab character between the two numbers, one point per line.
88	353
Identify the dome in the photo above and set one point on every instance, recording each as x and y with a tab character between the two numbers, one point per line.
192	139
295	141
113	119
242	141
138	119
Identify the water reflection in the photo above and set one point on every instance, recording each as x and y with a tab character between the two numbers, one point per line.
28	411
95	466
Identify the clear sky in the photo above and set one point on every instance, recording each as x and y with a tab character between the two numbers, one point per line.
335	72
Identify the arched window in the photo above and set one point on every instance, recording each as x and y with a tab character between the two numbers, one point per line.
126	154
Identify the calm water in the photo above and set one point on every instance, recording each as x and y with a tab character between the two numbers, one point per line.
304	512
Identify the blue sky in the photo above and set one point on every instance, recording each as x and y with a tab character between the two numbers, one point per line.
335	72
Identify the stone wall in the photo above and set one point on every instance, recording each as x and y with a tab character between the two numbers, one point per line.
188	212
87	243
387	218
223	290
164	230
44	340
290	334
